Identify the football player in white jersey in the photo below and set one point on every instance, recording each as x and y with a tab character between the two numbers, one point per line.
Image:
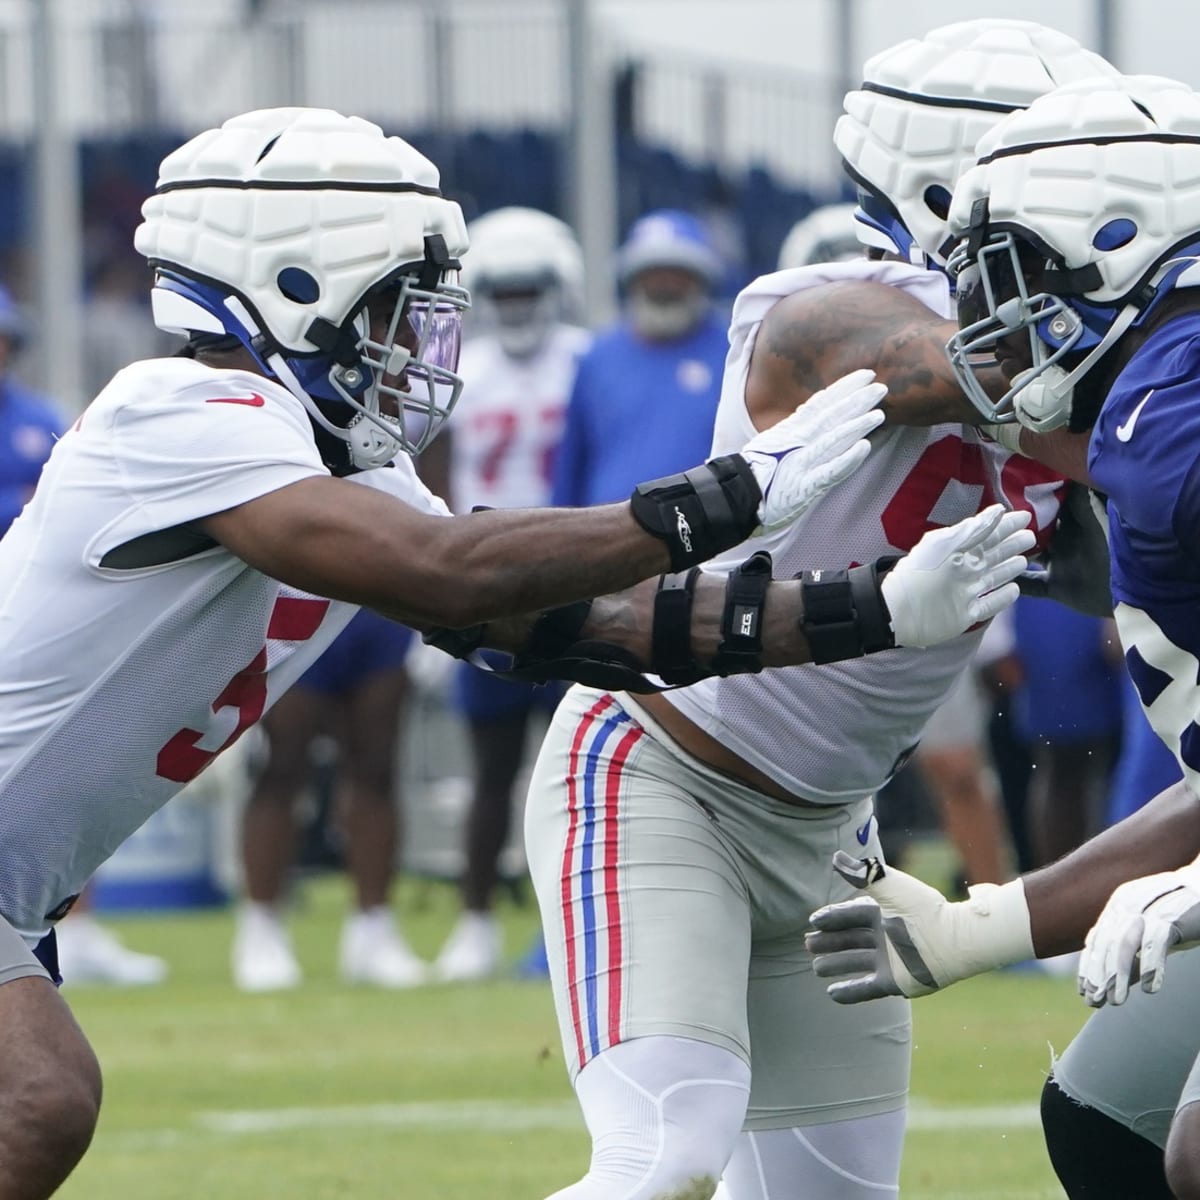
213	520
1079	272
676	840
525	275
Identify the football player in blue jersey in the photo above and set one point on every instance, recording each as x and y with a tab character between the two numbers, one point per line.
1078	273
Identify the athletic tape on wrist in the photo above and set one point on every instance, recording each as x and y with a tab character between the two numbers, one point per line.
1008	435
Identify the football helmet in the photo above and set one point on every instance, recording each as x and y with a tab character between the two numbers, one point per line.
1081	216
525	274
910	130
326	249
826	235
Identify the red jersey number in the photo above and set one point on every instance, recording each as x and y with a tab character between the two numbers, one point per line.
950	460
293	619
181	759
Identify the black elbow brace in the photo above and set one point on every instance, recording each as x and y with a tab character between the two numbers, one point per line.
845	615
700	512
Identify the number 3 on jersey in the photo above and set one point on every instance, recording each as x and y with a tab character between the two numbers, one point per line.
293	619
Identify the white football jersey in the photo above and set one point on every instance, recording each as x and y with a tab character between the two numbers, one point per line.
509	419
836	733
119	683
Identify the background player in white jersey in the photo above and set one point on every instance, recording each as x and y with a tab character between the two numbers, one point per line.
525	274
1089	301
828	234
213	520
676	841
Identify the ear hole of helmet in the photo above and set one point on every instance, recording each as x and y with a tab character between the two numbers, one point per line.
937	200
1114	234
298	285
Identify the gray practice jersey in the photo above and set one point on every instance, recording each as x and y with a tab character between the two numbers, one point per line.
836	733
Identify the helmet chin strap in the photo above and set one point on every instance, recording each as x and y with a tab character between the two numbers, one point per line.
1044	402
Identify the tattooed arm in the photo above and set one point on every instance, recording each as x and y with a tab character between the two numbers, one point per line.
813	337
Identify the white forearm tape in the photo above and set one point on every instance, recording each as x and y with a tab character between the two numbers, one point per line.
1008	435
998	931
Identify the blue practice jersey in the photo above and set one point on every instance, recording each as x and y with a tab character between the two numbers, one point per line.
1144	455
638	410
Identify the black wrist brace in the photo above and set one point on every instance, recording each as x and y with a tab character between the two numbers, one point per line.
671	634
845	615
740	651
700	512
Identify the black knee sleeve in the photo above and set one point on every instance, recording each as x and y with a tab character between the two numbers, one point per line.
1095	1157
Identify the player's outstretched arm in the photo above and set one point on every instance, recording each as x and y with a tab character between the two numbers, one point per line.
333	538
902	937
682	628
812	337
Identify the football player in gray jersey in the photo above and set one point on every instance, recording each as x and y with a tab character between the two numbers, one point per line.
676	840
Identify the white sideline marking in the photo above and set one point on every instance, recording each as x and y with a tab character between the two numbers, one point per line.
492	1116
485	1115
923	1115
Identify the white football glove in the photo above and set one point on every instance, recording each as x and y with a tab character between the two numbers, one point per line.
904	938
799	459
1143	921
955	577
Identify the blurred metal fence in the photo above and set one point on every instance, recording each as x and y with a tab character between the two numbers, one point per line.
518	101
139	65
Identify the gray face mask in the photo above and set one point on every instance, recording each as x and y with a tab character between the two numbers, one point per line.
660	319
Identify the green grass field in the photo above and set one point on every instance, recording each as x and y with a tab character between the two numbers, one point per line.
458	1093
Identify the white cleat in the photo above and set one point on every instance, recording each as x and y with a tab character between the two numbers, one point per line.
472	951
263	959
373	952
89	953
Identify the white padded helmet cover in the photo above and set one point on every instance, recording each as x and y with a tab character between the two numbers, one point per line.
240	203
1054	172
516	242
903	144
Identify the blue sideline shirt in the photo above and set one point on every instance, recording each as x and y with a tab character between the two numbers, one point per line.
638	410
